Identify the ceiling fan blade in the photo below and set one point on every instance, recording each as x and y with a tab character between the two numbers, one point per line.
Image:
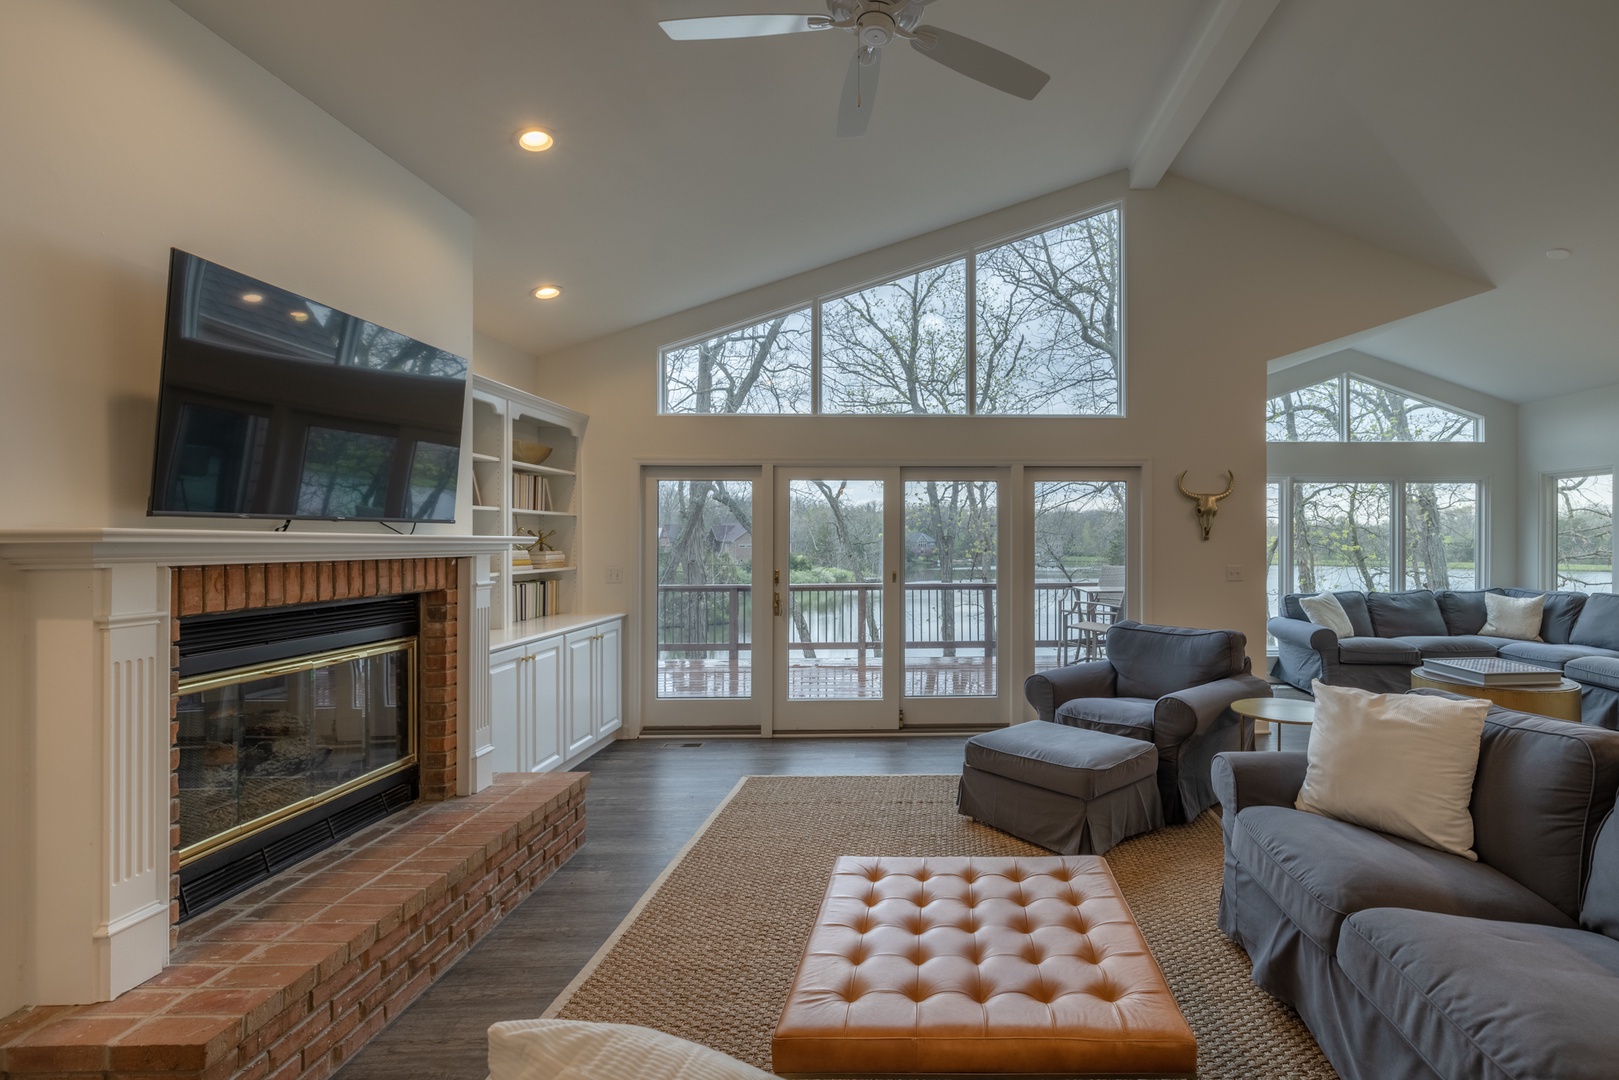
739	26
978	61
859	96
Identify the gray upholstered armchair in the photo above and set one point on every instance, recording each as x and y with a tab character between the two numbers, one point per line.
1168	685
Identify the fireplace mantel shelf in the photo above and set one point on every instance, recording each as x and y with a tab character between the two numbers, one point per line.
52	548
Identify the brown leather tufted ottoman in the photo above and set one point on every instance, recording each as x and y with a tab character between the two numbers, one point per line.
952	966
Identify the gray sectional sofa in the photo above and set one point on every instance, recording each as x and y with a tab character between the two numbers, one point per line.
1397	631
1409	963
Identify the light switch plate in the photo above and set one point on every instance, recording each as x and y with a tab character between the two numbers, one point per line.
615	575
1233	573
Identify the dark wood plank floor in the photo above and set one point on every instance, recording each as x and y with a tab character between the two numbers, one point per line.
646	799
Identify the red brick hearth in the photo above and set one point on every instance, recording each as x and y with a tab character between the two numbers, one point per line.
290	979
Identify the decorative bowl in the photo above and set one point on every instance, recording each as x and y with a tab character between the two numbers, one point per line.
530	453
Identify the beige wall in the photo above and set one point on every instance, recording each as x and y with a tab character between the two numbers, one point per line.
504	364
1571	434
1216	287
129	129
125	129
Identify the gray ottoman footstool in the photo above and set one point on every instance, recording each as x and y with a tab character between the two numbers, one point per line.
1068	789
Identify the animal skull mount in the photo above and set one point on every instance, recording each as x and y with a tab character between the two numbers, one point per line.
1207	505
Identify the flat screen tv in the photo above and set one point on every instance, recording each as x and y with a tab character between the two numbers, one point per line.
275	406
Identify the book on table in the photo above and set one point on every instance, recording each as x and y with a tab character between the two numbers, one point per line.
1492	671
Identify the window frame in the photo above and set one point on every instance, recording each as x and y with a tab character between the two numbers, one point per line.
1342	381
1549	534
968	255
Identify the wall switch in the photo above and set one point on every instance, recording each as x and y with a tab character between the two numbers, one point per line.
615	575
1233	573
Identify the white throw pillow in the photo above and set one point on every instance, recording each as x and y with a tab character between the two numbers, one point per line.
1513	616
576	1050
1399	763
1324	609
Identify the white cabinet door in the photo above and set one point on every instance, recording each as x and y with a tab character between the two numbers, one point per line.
506	671
609	697
545	678
579	716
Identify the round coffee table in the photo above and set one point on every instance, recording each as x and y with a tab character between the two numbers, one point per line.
1277	711
1559	700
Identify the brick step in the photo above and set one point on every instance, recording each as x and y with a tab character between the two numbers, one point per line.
290	979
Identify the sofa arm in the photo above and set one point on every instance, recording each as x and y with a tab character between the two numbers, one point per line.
1257	778
1178	716
1046	690
1305	635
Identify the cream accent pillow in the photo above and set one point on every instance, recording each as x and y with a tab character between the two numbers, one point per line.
1402	764
1324	609
1513	616
575	1050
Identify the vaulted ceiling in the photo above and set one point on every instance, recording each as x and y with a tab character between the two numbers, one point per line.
1473	134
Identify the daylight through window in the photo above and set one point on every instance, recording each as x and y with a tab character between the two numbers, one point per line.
1028	327
1351	409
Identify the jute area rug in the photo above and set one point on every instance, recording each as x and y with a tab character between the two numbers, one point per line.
709	952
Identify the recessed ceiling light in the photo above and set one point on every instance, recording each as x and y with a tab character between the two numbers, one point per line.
1558	253
534	139
253	297
547	292
299	316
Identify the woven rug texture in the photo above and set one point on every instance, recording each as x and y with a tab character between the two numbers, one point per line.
711	953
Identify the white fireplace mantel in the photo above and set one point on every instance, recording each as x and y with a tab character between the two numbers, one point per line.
87	647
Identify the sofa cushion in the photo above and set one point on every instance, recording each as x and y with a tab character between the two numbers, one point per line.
1130	717
1353	603
1548	655
1398	614
1598	623
1320	871
1558	617
1489	1000
1542	788
1152	661
1376	650
1463	610
1323	609
1515	617
1069	760
1600	911
1595	671
1459	645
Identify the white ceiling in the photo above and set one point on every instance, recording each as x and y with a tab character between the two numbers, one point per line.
1474	134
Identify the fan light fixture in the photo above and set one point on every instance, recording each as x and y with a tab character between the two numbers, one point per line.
535	140
547	292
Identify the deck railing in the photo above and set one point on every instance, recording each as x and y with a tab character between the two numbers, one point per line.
715	621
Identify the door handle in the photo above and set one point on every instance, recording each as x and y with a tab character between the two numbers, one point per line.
778	603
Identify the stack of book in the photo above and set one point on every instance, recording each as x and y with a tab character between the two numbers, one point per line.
548	560
1492	671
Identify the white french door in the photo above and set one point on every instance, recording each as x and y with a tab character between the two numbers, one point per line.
835	596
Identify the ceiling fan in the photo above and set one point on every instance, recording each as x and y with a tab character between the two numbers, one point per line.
875	25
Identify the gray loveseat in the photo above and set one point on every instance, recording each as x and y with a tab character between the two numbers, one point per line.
1396	631
1407	962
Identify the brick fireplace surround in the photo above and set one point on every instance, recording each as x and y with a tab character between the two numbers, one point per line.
289	980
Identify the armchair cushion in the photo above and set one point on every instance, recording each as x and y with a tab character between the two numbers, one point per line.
1402	614
1130	717
1152	661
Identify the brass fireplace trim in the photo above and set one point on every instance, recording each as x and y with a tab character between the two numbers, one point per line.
406	645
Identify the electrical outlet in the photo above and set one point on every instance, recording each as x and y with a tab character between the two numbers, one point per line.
615	575
1233	573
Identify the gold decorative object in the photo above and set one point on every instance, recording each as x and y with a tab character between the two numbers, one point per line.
542	541
1207	505
530	453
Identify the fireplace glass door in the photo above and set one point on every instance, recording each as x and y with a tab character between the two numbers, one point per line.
260	744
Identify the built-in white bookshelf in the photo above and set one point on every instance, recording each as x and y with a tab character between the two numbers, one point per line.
516	491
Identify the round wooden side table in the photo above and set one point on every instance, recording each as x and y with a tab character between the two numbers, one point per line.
1559	700
1277	711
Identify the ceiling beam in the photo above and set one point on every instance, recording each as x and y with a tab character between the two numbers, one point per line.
1220	45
